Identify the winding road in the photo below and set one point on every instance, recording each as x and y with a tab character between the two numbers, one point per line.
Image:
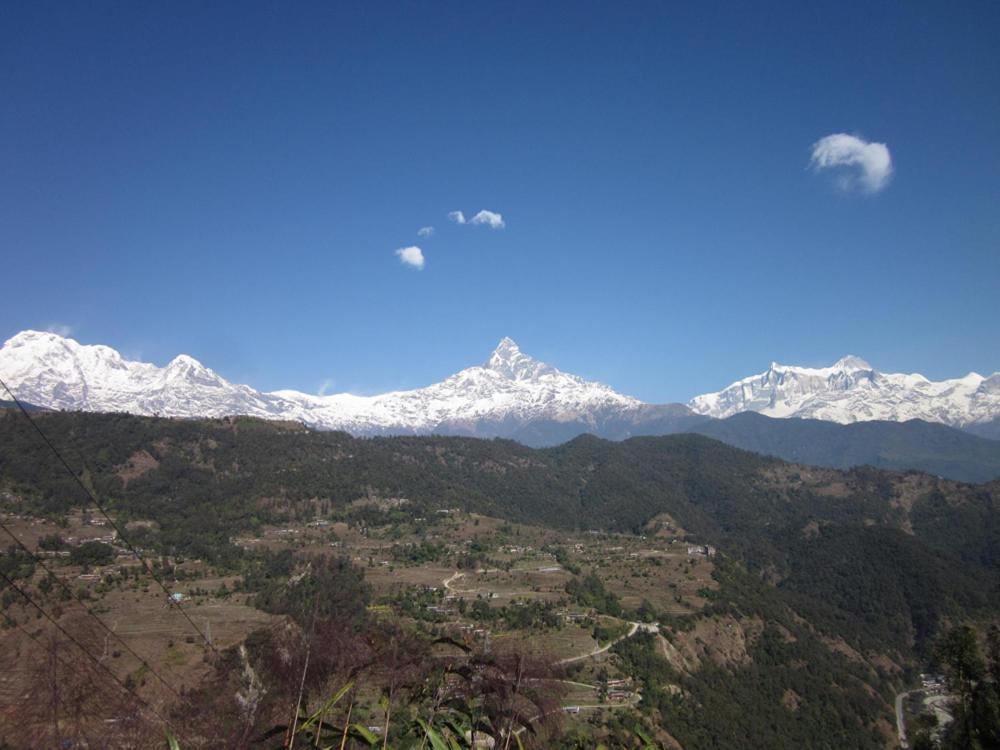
645	627
635	628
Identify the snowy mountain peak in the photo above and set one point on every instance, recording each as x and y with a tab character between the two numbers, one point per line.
851	362
851	390
187	366
512	394
508	360
507	344
38	341
508	393
848	363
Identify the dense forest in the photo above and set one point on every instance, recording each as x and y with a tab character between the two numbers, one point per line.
966	455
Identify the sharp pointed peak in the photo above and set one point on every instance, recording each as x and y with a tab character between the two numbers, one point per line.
506	351
507	344
508	360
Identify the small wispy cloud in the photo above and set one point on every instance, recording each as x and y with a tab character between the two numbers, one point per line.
60	330
871	162
325	387
425	231
490	218
411	256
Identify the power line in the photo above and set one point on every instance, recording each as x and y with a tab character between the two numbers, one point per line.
97	504
87	609
43	647
142	701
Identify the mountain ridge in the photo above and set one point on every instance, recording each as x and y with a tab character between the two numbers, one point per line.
499	398
851	390
511	395
899	446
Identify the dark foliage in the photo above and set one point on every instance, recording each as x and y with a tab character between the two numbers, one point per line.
934	448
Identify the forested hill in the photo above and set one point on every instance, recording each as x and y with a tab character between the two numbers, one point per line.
893	552
926	446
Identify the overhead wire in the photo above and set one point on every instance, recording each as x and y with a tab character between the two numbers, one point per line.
142	701
38	560
114	525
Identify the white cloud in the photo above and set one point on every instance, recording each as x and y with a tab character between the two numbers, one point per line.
411	256
425	231
489	218
60	330
871	160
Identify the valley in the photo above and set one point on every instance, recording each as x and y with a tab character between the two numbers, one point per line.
647	582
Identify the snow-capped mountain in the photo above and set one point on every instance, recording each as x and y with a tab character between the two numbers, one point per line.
48	370
851	390
510	388
511	395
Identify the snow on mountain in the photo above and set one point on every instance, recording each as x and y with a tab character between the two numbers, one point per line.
851	390
49	370
510	395
509	391
510	387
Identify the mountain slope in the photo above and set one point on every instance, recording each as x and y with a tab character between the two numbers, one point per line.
989	429
848	574
852	391
934	448
916	549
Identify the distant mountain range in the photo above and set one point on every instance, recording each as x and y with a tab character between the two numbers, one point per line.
851	390
852	413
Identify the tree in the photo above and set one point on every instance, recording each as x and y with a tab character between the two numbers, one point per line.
977	712
92	553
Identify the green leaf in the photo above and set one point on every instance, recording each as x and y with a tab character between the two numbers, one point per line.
364	733
172	742
437	741
326	706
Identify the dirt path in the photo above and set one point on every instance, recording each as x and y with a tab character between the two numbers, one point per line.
636	627
900	724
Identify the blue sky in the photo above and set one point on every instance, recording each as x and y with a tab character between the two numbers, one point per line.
232	182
